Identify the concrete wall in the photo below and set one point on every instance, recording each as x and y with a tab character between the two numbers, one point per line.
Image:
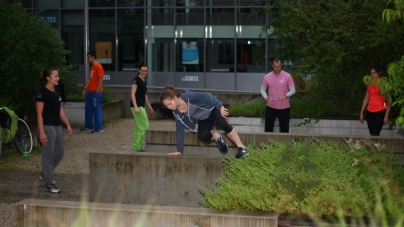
151	178
154	98
165	141
323	127
32	212
75	112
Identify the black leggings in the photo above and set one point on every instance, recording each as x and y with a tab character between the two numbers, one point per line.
283	116
375	122
204	126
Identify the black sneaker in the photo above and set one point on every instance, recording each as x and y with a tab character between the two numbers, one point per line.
41	177
241	152
52	188
223	148
86	130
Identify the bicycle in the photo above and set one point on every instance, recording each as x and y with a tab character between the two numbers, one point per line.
22	134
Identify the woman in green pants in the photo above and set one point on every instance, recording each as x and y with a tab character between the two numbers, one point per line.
138	104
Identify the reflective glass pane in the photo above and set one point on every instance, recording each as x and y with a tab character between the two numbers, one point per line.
189	16
101	3
162	16
46	4
251	55
220	2
25	3
221	54
131	51
220	16
73	35
251	16
252	2
162	55
189	55
73	18
74	4
102	37
189	3
131	3
160	3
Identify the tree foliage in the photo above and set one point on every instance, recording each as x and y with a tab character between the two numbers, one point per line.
336	42
394	85
29	44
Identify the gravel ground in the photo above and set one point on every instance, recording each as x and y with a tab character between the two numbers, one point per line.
117	135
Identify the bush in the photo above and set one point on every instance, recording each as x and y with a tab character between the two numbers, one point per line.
29	44
302	105
312	177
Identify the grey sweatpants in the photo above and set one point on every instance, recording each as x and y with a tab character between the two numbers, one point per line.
52	152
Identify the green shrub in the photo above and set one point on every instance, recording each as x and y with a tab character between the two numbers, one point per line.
312	177
302	105
255	107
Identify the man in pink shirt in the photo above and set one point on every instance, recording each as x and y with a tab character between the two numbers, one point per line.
280	87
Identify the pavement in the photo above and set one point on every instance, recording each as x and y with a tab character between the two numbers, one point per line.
16	186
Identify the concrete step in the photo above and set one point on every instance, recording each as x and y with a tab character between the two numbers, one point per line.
31	212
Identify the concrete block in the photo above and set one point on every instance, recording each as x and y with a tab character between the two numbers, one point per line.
151	177
76	114
168	138
31	212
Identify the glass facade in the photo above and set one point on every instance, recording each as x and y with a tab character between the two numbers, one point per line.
215	45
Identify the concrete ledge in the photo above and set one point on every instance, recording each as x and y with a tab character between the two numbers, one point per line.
168	138
75	112
31	212
151	177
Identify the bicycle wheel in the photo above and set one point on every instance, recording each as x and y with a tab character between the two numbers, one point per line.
23	136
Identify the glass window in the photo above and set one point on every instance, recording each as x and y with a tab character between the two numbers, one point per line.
131	3
221	54
252	2
101	3
46	4
73	36
251	55
102	37
251	16
25	3
52	16
220	3
189	55
189	16
162	16
74	4
220	16
131	47
162	55
160	3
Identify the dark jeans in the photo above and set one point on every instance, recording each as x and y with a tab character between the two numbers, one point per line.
375	122
204	126
283	116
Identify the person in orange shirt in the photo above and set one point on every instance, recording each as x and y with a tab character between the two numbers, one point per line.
93	108
377	106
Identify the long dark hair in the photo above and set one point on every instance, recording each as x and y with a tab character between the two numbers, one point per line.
377	69
46	73
169	92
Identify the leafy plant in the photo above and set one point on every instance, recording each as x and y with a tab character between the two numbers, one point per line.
312	177
29	44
